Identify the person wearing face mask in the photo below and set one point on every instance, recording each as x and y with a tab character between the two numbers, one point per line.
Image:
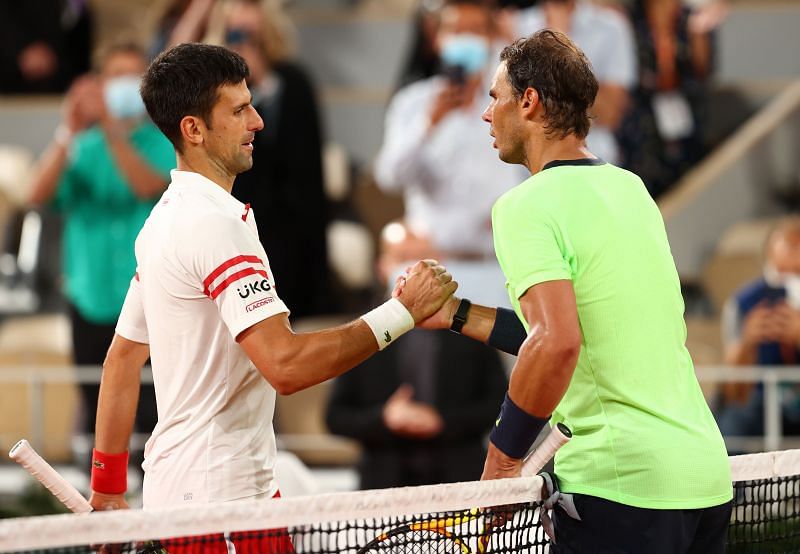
761	326
103	171
436	153
285	186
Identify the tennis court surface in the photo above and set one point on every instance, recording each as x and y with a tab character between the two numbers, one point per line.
494	516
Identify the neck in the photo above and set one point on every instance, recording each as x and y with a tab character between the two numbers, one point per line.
541	151
207	168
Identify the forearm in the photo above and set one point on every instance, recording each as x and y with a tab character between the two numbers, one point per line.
144	182
47	173
497	327
302	360
119	396
741	353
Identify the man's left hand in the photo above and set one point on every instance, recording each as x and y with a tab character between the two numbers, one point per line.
500	466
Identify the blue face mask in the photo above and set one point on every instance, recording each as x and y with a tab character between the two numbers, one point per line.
471	52
122	97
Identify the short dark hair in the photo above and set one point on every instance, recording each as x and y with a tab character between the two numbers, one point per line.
185	80
549	62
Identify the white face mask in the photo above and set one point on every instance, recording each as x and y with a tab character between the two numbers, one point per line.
788	281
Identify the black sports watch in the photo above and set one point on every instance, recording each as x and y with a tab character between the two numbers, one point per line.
460	317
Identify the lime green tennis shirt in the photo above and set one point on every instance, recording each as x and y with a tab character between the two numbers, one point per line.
643	433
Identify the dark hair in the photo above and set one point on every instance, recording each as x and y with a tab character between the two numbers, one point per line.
549	62
185	80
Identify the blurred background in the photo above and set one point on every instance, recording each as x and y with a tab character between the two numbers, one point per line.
374	154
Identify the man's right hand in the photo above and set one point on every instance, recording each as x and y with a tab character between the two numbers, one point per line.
452	96
425	288
102	502
761	325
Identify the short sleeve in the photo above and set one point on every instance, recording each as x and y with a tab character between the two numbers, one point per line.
527	245
131	324
234	273
67	186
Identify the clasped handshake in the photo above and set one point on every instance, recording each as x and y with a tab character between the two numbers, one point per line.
426	290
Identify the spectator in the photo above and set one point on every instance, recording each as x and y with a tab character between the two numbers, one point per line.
420	410
285	186
437	152
662	133
423	59
761	326
44	45
105	168
606	39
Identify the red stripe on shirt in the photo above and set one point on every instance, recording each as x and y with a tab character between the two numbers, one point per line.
224	266
235	277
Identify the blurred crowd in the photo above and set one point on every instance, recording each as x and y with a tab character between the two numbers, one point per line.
107	165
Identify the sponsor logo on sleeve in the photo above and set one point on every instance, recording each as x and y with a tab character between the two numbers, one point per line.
258	303
254	288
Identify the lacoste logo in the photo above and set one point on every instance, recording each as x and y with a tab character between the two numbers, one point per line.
387	337
98	464
258	303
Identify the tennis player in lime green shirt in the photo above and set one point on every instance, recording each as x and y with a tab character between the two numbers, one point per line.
597	326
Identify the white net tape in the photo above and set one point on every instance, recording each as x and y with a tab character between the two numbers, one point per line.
112	527
243	515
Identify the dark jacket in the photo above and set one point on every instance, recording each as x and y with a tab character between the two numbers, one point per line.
470	387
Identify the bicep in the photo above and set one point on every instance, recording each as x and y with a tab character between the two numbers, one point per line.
551	308
268	342
127	354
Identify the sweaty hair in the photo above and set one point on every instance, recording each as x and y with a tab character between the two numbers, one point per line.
185	80
549	62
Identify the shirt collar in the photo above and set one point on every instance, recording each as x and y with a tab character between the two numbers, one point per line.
194	182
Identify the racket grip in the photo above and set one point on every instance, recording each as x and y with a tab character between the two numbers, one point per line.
559	436
24	454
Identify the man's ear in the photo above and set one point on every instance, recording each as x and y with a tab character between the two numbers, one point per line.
193	129
529	101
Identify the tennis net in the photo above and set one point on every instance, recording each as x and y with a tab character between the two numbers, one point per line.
493	516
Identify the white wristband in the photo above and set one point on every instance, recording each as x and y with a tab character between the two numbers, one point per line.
388	321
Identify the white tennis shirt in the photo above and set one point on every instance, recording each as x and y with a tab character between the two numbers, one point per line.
202	278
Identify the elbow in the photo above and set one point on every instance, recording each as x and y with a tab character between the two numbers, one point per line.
282	376
560	348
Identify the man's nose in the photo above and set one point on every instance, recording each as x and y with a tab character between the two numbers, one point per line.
257	124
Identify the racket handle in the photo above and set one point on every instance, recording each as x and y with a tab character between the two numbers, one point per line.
24	454
559	436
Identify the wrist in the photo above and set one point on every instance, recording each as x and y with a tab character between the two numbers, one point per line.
109	472
63	135
515	429
388	321
458	318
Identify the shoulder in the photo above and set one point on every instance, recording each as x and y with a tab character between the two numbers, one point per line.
293	74
530	20
417	91
751	294
605	19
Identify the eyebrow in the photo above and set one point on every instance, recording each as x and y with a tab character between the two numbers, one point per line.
245	104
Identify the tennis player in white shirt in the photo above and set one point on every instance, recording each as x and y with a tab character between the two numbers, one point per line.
204	307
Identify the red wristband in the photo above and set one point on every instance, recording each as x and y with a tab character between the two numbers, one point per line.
109	472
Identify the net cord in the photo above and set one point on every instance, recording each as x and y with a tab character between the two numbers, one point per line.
244	515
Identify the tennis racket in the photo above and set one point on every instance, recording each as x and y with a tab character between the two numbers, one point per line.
440	534
25	455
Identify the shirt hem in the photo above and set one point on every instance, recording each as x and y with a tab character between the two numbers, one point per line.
649	503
